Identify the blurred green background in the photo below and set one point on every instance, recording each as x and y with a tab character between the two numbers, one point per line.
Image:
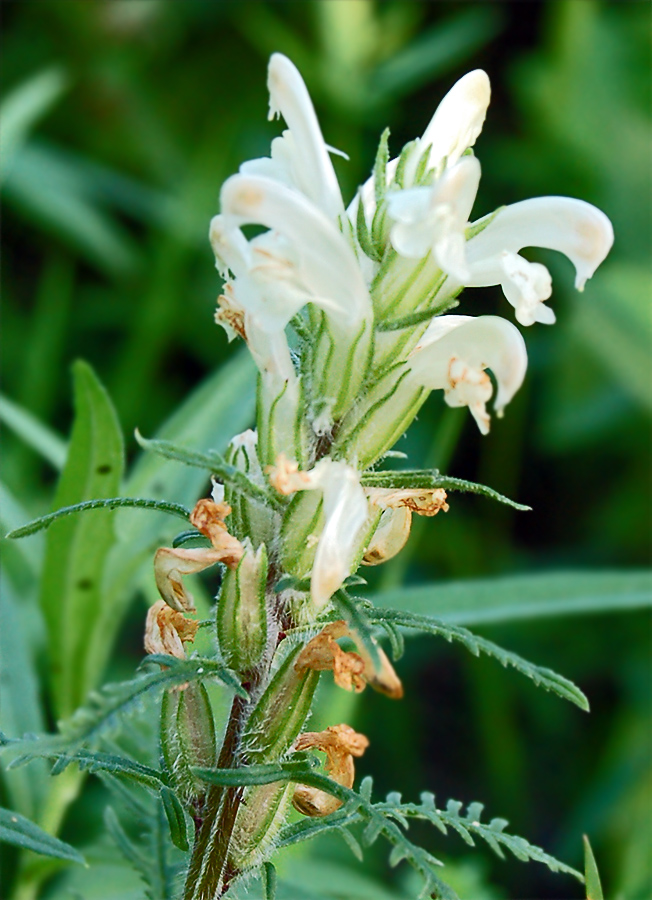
121	118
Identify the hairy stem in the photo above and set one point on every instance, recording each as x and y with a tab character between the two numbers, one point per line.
207	874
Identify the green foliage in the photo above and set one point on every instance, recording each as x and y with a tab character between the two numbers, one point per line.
431	478
389	818
77	549
44	522
591	874
105	709
522	597
214	463
542	677
106	205
19	831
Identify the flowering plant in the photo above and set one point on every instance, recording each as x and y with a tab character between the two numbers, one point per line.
346	314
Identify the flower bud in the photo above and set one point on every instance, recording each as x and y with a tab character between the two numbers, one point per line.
242	611
188	739
280	713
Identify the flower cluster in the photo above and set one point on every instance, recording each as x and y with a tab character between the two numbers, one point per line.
345	311
342	309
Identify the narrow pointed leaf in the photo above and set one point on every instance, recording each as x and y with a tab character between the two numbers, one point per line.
19	831
77	620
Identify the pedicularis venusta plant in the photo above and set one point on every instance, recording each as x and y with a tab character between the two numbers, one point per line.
346	313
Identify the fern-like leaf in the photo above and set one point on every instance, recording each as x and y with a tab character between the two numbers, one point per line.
545	678
389	819
107	707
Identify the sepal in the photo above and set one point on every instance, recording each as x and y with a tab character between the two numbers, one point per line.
242	611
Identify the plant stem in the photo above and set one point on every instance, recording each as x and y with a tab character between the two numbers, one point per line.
208	878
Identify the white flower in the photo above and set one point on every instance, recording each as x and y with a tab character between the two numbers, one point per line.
579	230
457	121
313	263
346	512
435	218
300	158
453	129
453	354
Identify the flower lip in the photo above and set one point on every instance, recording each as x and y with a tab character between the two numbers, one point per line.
578	229
458	120
454	352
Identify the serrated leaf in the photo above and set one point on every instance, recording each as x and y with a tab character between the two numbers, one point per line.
591	874
76	548
352	610
352	842
90	761
104	709
176	818
20	832
542	677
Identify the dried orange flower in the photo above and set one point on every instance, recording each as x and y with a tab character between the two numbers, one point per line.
340	743
171	563
351	671
166	630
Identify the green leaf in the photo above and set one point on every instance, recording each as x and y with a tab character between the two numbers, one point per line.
21	701
212	462
93	761
44	522
19	831
224	403
22	109
362	232
51	187
176	818
429	479
269	881
542	677
352	609
380	167
591	874
33	432
78	619
435	52
265	773
519	597
105	709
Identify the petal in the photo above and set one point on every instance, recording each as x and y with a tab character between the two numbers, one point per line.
305	151
458	119
454	352
434	218
325	264
579	230
346	512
